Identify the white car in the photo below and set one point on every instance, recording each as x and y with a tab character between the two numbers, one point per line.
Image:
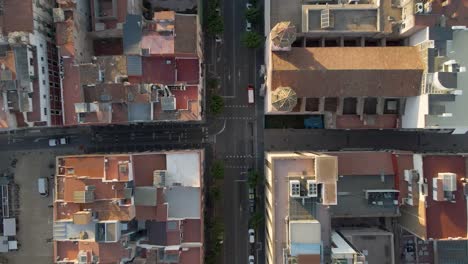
218	39
248	26
248	5
251	236
251	259
58	141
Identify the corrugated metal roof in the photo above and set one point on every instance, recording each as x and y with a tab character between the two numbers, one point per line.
134	67
132	34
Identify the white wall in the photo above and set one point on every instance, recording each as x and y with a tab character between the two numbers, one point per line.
416	108
419	37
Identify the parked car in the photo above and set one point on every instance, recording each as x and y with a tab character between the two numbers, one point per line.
251	194
252	205
58	141
218	39
248	5
251	236
251	259
248	26
43	186
251	94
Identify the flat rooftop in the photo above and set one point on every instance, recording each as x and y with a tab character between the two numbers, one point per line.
354	18
377	243
352	201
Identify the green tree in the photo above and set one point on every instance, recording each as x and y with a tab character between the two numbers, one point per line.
216	104
215	193
254	178
256	220
217	169
252	39
253	14
215	25
212	83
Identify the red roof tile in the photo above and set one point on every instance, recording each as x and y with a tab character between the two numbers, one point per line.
364	163
184	97
72	92
445	219
159	70
188	71
191	256
144	165
192	230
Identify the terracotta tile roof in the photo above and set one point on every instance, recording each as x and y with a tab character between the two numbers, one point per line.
349	71
91	166
159	70
157	43
445	219
112	169
191	256
192	230
72	92
144	165
164	15
183	98
364	163
65	249
188	71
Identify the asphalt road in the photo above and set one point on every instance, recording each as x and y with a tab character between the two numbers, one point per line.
307	139
236	67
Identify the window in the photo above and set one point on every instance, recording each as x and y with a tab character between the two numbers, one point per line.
43	82
43	70
45	111
40	45
42	58
51	97
56	98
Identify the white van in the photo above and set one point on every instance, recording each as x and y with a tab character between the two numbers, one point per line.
43	186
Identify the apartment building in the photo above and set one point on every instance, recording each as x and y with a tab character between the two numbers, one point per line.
125	67
443	98
323	207
330	62
312	200
141	207
29	83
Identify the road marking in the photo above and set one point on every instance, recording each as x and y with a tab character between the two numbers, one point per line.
236	118
237	106
236	167
239	156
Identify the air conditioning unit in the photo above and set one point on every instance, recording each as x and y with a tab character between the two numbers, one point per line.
411	175
408	201
294	188
449	181
312	188
419	8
